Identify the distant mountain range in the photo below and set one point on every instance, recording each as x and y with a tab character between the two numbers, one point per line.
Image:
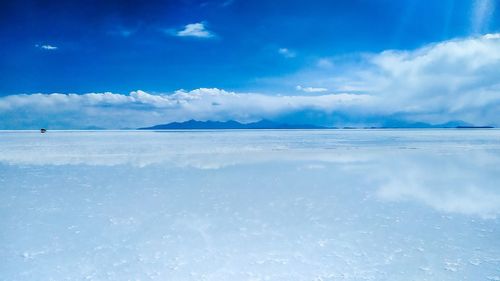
456	124
214	125
267	124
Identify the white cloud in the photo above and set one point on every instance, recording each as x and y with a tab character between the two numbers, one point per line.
456	79
46	47
287	53
195	30
451	80
492	36
310	89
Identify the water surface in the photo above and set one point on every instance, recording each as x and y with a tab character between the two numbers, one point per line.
250	205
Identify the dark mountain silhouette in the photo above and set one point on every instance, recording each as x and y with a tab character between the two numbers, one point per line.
213	125
455	124
267	124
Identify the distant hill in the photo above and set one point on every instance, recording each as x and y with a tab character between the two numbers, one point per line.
267	124
455	124
213	125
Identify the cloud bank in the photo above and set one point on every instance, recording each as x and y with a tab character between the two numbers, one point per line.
451	80
458	79
109	110
438	83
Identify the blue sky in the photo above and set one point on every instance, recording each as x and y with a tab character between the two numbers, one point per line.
272	48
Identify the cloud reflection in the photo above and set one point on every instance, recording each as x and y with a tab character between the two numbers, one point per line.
455	175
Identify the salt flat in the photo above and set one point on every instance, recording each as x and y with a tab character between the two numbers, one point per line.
250	205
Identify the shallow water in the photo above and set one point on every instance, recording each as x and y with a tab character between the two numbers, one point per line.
250	205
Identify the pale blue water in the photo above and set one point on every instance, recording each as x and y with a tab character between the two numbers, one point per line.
250	205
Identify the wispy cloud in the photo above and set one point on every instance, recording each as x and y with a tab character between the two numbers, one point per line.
122	31
195	30
46	47
287	53
310	89
227	3
481	15
324	63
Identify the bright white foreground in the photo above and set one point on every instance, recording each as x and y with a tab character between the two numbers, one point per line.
250	205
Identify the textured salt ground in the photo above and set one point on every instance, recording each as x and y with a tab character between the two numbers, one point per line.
250	205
